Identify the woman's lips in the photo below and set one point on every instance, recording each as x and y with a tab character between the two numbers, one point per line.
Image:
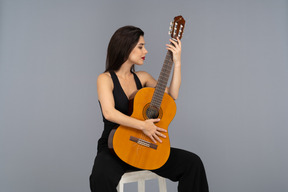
143	58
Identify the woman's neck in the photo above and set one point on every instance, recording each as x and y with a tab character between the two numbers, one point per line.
124	71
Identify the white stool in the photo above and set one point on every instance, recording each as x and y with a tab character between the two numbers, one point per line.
140	177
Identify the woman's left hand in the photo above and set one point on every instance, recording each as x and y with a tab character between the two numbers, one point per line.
175	48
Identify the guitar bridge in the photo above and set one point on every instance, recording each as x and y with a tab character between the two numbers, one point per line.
143	142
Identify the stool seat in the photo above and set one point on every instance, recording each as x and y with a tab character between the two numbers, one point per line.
141	177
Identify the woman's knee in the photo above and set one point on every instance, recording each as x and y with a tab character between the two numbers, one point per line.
189	159
107	170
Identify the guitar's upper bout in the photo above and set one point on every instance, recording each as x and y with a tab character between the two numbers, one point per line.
142	108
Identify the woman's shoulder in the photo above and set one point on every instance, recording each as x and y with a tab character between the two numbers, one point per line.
104	78
143	74
104	75
146	79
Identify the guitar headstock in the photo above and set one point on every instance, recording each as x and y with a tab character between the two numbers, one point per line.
177	27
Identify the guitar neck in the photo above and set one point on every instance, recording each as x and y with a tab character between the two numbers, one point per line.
162	81
176	30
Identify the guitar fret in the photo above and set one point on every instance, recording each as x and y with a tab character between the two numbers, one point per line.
158	96
162	85
159	92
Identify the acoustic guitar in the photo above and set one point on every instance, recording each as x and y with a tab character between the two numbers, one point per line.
132	145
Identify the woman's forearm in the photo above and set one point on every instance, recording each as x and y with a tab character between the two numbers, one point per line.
173	90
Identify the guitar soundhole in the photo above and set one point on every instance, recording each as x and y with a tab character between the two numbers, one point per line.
150	112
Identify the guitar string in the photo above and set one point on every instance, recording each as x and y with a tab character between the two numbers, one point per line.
159	92
161	85
159	96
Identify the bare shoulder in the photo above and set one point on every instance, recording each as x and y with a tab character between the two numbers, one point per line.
143	75
104	75
104	79
146	79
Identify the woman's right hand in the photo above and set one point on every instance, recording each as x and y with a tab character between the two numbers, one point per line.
152	131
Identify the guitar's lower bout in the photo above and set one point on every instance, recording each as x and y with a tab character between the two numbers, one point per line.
135	148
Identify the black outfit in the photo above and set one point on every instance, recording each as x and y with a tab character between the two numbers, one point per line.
182	166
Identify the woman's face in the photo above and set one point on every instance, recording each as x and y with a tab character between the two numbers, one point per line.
137	55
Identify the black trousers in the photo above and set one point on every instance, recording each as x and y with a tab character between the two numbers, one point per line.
182	166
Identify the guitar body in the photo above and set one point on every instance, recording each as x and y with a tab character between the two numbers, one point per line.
135	148
132	145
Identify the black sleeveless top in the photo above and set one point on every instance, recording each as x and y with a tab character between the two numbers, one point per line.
121	104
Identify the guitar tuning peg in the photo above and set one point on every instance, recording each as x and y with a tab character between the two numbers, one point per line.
169	32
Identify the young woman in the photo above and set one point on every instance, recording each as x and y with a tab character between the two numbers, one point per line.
115	86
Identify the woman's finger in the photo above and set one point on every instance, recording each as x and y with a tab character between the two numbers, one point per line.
161	135
152	138
157	138
161	129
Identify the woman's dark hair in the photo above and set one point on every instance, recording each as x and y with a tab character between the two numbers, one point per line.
120	46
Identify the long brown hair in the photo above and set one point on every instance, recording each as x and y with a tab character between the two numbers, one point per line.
120	46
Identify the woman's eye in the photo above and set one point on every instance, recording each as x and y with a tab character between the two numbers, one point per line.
140	47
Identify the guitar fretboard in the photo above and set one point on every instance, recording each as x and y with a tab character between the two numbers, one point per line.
162	81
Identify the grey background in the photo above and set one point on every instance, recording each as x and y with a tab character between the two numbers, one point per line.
232	109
